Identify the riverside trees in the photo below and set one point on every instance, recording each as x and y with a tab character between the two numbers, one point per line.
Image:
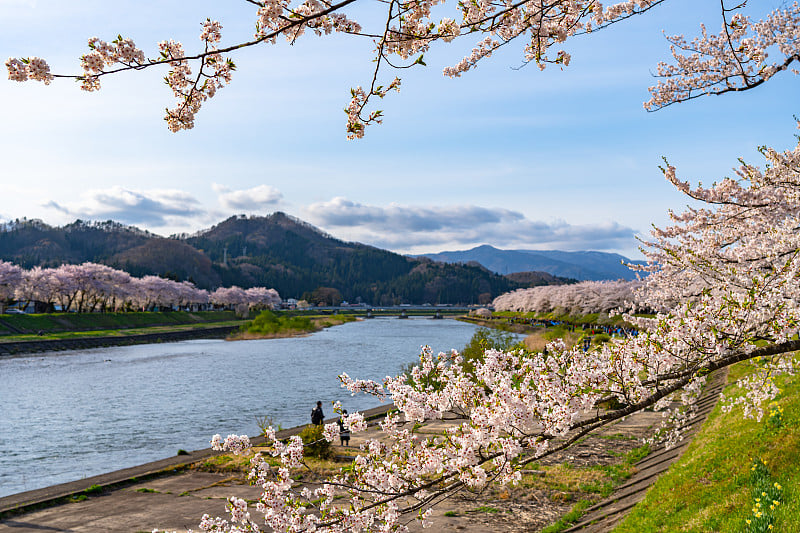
724	277
92	287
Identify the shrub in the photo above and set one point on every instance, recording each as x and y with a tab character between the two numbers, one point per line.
315	443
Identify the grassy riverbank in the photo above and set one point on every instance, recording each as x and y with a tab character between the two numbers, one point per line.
272	325
733	473
57	326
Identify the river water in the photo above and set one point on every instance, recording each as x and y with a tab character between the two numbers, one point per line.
69	415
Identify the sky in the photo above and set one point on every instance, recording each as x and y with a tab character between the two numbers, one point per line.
562	159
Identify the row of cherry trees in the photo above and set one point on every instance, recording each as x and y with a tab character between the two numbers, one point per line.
93	287
584	297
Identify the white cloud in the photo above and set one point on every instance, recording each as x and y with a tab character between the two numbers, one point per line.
255	199
411	228
151	208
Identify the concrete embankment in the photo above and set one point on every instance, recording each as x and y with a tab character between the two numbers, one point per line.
48	345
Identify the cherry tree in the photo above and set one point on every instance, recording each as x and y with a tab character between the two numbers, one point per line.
261	297
10	277
36	285
584	297
228	296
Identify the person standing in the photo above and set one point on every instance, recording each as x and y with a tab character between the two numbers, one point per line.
317	416
344	433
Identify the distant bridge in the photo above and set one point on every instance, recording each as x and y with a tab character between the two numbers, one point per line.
400	311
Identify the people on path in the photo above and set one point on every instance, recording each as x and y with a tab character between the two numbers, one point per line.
317	416
344	432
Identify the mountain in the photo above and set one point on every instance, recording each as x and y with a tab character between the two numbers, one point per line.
576	265
294	257
276	251
537	279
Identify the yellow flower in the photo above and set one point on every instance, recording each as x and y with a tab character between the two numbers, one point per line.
769	526
748	521
776	502
763	494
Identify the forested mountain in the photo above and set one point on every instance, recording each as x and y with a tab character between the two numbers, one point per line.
538	279
576	265
294	257
276	251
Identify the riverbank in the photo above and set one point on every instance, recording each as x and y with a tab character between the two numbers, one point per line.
18	325
126	338
292	329
59	332
49	332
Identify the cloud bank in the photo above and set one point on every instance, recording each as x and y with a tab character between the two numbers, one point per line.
414	228
152	208
260	198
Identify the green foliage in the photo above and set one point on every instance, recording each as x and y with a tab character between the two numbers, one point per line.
766	499
488	339
568	519
315	443
94	489
63	322
268	322
483	339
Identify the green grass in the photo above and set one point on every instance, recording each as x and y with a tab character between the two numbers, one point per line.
71	322
577	319
94	489
568	519
127	332
712	487
145	489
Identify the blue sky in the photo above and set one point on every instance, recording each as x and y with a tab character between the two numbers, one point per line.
516	158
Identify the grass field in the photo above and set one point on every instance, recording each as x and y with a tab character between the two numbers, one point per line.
732	474
67	322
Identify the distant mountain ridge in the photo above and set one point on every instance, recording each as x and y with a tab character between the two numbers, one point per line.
275	251
582	266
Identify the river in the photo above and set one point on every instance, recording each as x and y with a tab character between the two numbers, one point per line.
69	415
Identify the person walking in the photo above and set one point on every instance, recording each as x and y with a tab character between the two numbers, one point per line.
317	416
344	433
